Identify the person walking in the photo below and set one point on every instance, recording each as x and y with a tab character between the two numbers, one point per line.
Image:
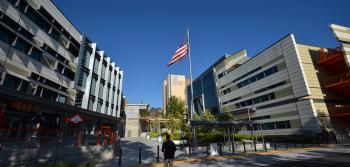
168	148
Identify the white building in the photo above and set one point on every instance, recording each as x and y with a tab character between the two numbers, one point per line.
47	66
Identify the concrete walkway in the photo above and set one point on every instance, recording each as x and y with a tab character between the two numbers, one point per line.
311	156
130	152
315	157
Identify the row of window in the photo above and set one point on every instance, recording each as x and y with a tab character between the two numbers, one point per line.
271	126
12	82
258	76
256	100
45	25
239	78
25	47
271	87
259	118
256	92
252	79
47	82
99	105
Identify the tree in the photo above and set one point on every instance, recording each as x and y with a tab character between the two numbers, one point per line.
226	116
207	116
175	115
176	107
155	112
143	113
122	106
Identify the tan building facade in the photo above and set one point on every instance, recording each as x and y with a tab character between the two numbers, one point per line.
174	85
291	88
132	121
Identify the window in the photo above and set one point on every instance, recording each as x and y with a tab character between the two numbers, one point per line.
264	98
50	95
82	78
107	96
24	86
270	125
260	76
221	75
226	91
36	54
86	58
91	103
93	86
282	125
55	34
22	46
271	87
104	65
69	73
60	68
37	19
11	82
100	92
62	99
249	102
99	105
6	36
96	62
106	108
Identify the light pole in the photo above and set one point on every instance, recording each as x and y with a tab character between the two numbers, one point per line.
250	124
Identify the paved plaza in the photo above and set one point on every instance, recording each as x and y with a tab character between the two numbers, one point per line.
312	156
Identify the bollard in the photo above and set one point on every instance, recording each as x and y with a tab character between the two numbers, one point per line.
233	147
254	145
189	150
158	153
265	146
139	154
244	147
287	145
207	150
220	149
120	157
274	144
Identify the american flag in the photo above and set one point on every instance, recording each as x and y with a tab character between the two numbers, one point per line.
180	52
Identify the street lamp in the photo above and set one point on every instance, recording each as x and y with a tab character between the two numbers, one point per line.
250	121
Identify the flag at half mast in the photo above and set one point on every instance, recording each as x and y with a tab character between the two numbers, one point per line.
180	52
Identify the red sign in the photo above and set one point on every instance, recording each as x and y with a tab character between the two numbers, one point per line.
22	106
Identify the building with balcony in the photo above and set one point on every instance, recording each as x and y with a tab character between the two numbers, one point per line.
51	73
291	88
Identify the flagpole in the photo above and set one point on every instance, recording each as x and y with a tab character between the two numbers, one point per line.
192	108
189	58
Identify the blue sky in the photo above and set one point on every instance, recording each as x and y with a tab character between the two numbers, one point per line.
142	35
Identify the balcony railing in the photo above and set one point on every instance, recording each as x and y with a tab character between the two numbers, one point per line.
328	54
336	80
339	110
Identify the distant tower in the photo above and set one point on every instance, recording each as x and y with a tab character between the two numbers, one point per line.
174	85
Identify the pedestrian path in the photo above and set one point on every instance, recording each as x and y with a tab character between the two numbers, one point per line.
314	156
130	152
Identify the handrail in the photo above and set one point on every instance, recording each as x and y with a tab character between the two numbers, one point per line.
326	53
336	79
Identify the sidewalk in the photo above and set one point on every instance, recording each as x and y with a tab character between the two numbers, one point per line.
241	155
